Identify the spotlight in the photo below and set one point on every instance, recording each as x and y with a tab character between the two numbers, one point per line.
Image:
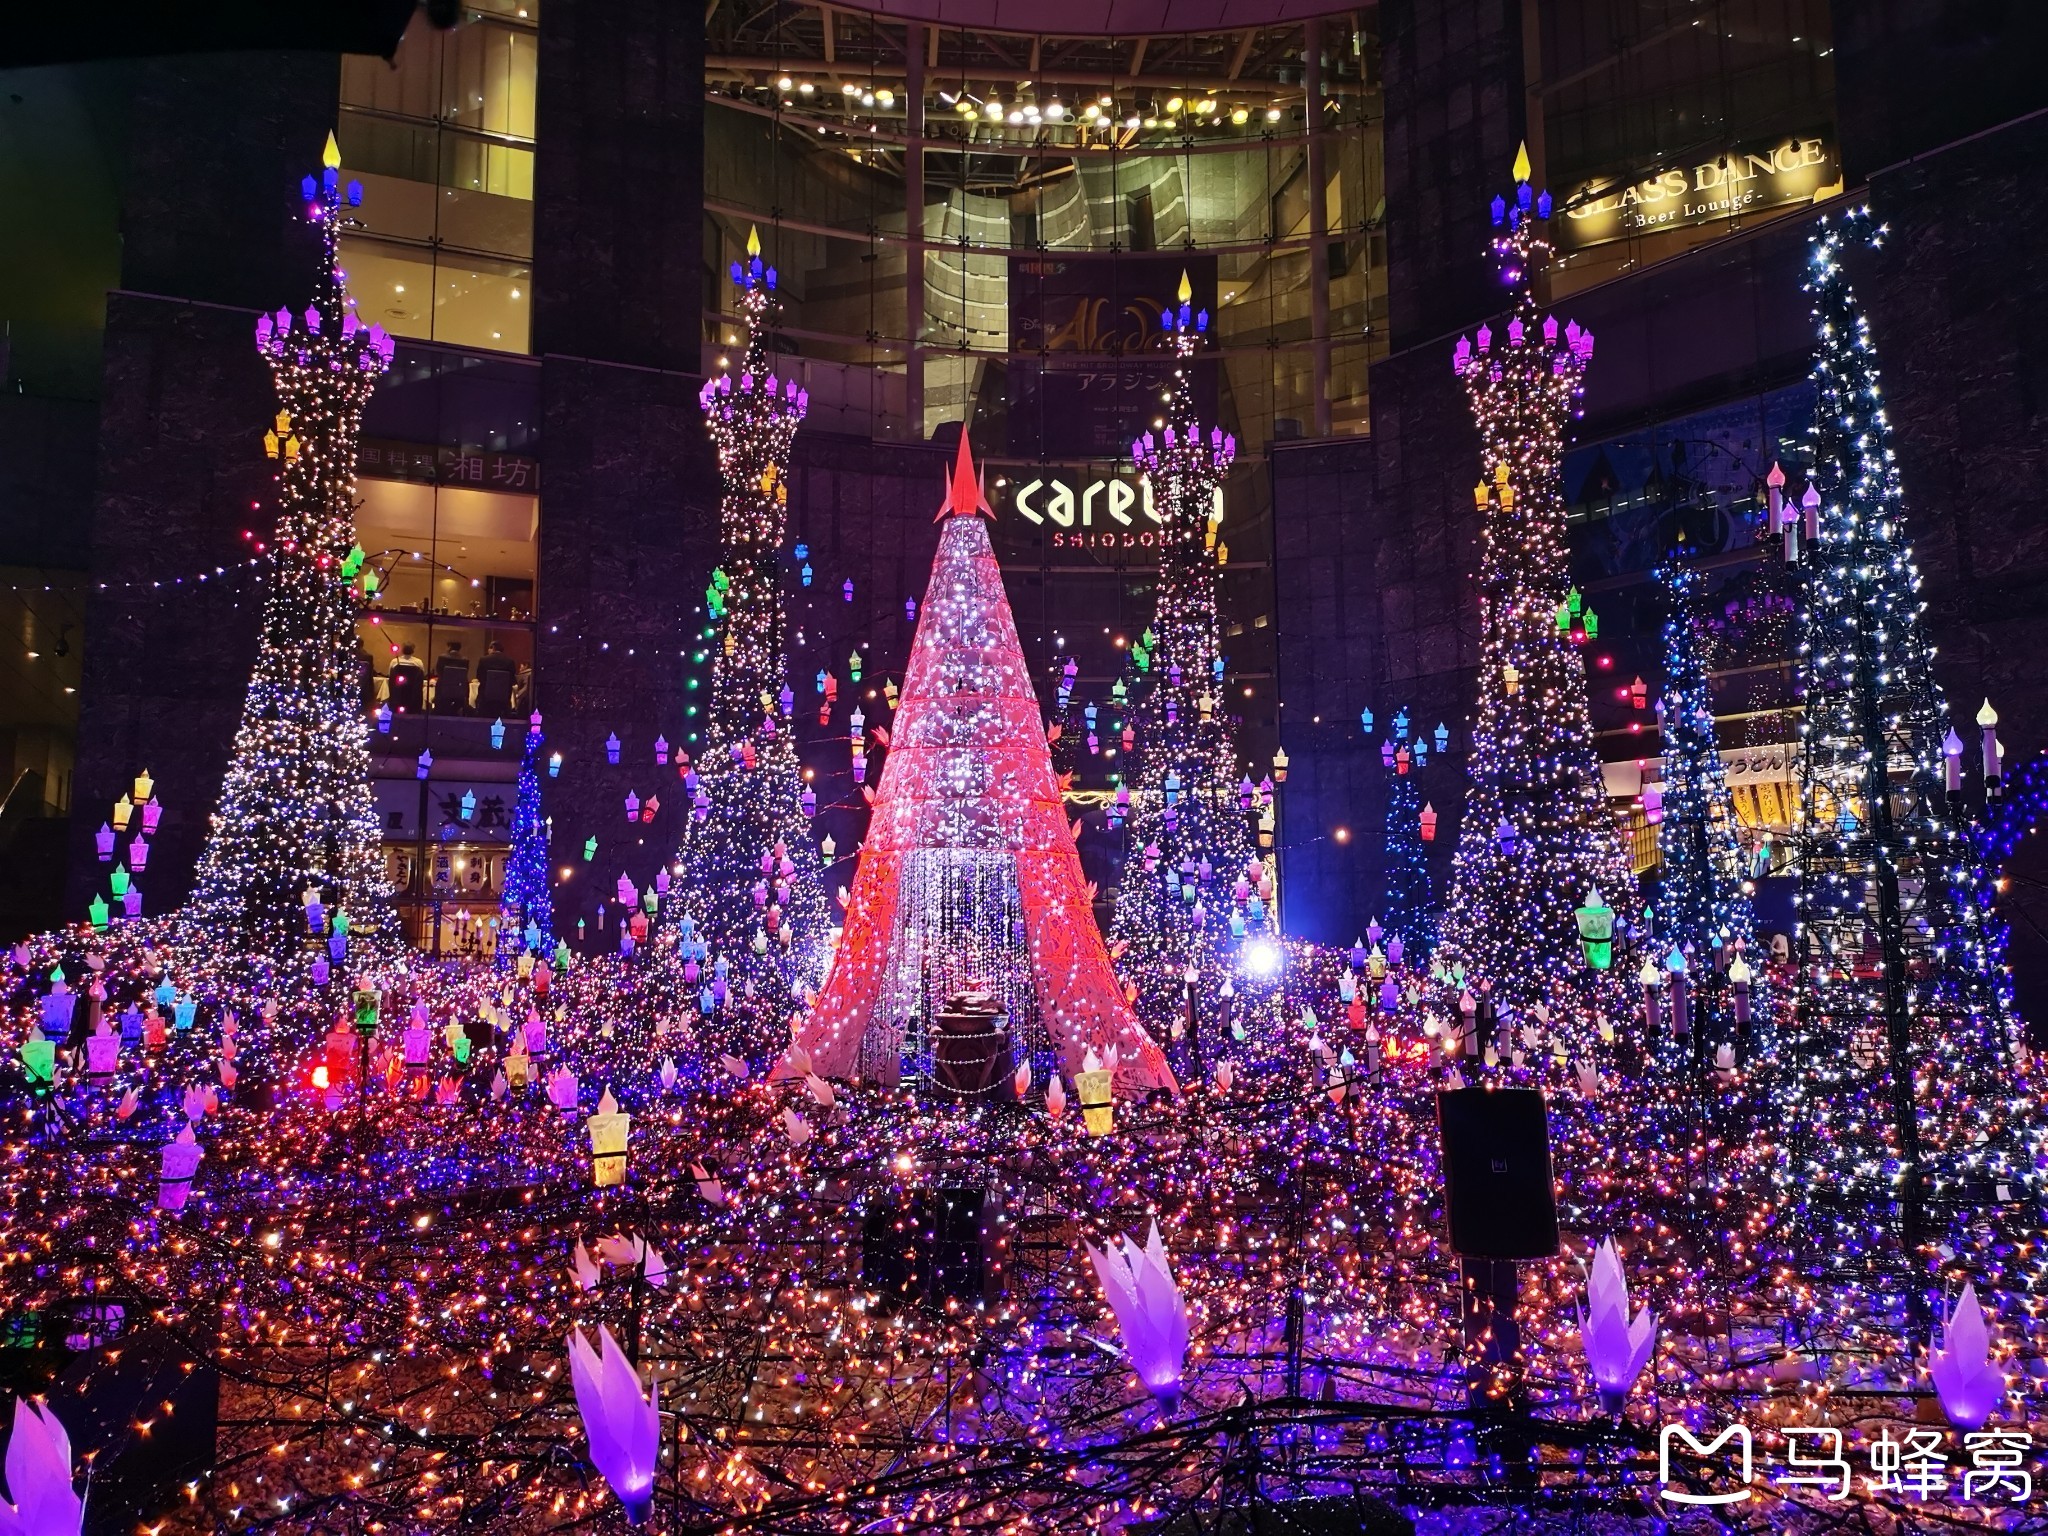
1262	959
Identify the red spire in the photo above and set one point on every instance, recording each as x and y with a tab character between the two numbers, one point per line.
964	497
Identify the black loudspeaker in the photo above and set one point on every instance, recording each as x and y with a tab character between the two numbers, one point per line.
925	1246
1497	1187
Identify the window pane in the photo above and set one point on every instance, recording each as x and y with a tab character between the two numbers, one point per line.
468	301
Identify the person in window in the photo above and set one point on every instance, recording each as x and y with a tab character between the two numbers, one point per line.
497	675
407	684
451	682
366	677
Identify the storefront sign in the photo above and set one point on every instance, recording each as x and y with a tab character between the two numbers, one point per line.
1746	180
386	460
1095	355
1107	512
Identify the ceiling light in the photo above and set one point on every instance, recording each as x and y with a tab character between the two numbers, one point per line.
1239	115
1150	122
1016	117
993	110
805	89
1091	112
1130	122
1107	101
784	83
1272	114
848	88
1055	111
1173	103
1207	106
964	106
886	98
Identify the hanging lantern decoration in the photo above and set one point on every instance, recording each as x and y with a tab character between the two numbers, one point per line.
103	840
497	734
152	813
1280	765
554	765
609	1130
1093	1085
124	810
846	590
1596	930
1638	694
145	786
1427	822
611	749
423	764
1510	678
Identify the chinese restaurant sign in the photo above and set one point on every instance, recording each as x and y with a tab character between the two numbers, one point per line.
1747	180
1094	359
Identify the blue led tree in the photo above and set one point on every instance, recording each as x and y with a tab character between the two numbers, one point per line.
1408	905
1701	905
526	904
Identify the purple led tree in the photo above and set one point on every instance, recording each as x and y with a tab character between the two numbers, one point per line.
747	870
1537	837
1194	886
296	810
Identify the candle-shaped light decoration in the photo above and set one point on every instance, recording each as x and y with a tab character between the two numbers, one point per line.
624	1428
1150	1311
178	1161
1093	1083
1740	979
609	1129
1987	717
1653	995
1952	760
1681	993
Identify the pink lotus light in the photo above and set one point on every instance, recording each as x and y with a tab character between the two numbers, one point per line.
1149	1309
1616	1348
39	1476
624	1428
1966	1379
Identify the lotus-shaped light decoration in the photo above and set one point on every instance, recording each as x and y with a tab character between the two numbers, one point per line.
39	1477
1616	1348
624	1427
1966	1379
1149	1310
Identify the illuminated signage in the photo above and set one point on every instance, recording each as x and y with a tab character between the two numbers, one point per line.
1795	170
1107	513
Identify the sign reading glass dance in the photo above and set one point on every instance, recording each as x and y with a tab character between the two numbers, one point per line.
1748	180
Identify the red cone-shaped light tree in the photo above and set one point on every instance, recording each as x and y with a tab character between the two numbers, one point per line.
969	880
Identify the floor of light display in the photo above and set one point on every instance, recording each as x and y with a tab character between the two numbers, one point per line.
383	1282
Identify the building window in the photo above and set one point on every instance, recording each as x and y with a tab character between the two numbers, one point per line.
442	141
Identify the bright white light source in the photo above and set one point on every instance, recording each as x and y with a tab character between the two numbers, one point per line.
1262	958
